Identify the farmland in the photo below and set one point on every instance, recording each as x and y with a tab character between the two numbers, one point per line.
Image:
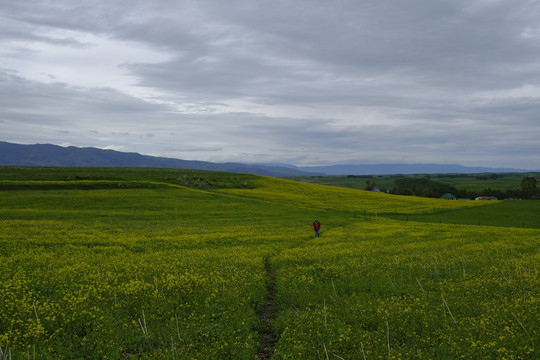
498	181
174	264
501	185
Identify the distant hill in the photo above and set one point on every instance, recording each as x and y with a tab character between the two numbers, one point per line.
54	155
388	169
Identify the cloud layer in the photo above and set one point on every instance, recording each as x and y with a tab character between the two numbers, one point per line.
305	82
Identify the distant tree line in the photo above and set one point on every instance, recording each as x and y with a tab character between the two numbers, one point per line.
429	188
528	187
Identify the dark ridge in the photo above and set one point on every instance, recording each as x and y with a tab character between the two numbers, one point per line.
53	155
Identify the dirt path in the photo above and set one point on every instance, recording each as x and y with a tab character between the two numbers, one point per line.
266	315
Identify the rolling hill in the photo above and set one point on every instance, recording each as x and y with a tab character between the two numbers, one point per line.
138	263
54	155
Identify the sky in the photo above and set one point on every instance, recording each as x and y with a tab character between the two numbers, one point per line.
304	82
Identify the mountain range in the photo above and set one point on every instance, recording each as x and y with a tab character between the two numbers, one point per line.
387	169
53	155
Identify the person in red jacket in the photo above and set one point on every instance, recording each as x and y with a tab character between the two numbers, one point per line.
317	227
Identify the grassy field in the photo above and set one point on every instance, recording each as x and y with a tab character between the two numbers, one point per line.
173	264
13	177
473	182
518	214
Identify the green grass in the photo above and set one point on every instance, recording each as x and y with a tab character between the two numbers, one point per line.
69	177
163	271
472	182
352	182
518	214
483	181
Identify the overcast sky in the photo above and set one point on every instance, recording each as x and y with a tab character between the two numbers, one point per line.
305	82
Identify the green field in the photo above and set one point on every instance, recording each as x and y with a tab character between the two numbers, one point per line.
174	264
476	183
518	214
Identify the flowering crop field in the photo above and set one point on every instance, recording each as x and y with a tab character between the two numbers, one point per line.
119	267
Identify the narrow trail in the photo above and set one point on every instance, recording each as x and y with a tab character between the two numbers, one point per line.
268	312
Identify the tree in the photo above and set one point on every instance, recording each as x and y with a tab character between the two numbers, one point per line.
528	187
370	185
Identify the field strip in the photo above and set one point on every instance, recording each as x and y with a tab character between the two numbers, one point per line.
268	312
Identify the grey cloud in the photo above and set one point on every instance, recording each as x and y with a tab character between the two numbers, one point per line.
61	14
20	97
308	75
209	149
330	71
257	46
